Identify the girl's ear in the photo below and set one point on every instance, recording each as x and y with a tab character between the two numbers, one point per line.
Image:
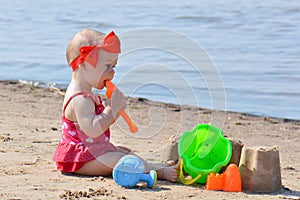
83	66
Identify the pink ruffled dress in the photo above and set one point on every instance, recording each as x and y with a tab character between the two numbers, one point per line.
75	147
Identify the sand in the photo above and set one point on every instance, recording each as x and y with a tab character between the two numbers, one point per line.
30	129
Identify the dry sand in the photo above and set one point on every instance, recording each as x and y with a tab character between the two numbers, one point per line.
30	130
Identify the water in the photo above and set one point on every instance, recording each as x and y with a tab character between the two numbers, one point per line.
254	44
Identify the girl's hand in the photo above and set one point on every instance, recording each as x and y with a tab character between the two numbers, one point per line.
116	102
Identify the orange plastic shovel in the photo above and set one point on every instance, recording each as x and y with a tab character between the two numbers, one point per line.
110	87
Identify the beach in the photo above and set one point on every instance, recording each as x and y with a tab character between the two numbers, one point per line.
30	129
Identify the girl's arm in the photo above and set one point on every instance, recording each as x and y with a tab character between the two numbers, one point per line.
94	125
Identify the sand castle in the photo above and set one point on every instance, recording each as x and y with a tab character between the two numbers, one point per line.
260	169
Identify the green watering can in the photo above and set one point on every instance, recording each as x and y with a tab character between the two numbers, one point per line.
203	150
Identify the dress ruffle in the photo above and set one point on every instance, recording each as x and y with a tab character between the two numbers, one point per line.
79	153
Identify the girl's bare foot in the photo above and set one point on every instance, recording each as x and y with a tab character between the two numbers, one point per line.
169	173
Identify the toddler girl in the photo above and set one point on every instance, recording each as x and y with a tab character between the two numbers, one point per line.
85	147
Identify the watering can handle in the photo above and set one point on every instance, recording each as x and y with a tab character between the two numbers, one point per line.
183	179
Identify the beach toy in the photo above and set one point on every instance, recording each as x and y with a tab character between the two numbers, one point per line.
130	170
229	181
110	87
203	150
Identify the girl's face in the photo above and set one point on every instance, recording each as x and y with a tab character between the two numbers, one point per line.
104	70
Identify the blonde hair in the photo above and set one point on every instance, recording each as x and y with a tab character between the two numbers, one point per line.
86	37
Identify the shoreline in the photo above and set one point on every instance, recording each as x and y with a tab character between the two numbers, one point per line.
30	124
40	84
